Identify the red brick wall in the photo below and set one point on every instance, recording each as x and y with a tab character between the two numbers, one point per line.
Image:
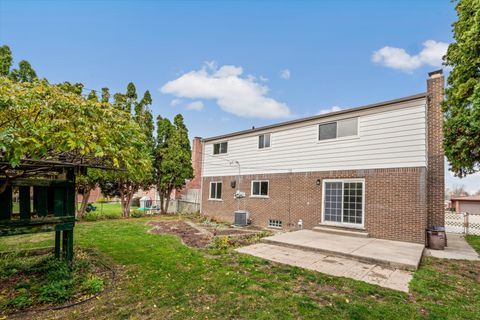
435	153
395	201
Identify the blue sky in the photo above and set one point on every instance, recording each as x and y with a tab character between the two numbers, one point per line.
285	59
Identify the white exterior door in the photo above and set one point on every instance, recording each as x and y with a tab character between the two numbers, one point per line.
343	202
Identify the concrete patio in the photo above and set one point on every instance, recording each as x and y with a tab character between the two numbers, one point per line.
396	254
336	266
385	263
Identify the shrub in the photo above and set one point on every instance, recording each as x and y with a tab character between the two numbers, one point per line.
137	213
101	200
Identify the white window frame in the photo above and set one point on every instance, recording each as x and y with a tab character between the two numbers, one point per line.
258	141
210	191
259	189
337	138
344	224
219	148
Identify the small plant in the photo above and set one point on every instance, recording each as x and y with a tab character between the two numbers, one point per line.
21	301
55	292
93	285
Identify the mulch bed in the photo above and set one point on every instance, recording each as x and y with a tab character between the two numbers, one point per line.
190	236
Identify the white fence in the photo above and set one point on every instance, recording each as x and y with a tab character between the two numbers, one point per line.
464	222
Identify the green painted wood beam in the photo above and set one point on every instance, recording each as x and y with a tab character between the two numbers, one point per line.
6	204
25	206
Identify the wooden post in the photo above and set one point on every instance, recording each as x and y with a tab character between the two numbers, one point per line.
25	208
6	204
57	244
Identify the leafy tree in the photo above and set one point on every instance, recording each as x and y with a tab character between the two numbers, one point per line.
24	73
172	158
462	104
6	60
125	184
105	95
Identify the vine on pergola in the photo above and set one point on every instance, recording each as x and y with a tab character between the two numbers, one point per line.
44	122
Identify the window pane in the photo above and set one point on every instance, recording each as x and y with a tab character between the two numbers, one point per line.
264	188
267	141
352	202
219	190
333	206
347	127
216	148
223	147
327	131
261	141
213	192
256	188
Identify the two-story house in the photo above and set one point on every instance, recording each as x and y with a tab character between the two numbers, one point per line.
378	168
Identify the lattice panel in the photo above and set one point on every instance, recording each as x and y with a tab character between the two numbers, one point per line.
464	223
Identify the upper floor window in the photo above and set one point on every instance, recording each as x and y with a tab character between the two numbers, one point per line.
338	129
219	148
264	141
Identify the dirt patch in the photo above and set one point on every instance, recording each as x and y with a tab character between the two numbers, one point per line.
189	235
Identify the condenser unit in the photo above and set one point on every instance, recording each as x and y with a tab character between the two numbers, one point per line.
241	218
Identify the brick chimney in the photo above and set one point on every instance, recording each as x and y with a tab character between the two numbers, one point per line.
197	151
435	153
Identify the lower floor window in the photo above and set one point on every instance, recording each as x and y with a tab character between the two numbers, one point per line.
275	223
215	190
343	201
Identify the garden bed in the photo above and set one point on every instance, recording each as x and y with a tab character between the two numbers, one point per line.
189	235
34	280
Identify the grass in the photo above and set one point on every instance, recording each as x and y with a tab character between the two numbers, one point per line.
159	277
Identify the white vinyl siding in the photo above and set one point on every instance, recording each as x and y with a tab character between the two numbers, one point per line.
388	137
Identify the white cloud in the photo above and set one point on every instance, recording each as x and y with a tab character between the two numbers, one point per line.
285	74
263	79
175	102
398	58
196	105
242	96
332	109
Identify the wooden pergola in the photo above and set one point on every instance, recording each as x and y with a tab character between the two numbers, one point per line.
46	192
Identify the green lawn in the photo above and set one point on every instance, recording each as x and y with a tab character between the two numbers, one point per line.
160	278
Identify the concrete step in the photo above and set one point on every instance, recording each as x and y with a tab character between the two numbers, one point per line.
386	253
341	231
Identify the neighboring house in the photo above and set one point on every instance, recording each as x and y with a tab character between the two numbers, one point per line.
466	204
379	168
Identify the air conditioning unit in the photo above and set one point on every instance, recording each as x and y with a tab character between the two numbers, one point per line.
241	218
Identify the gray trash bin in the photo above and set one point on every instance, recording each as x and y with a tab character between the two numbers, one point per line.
436	238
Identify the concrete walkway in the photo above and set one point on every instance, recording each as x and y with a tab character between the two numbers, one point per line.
336	266
395	254
458	249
